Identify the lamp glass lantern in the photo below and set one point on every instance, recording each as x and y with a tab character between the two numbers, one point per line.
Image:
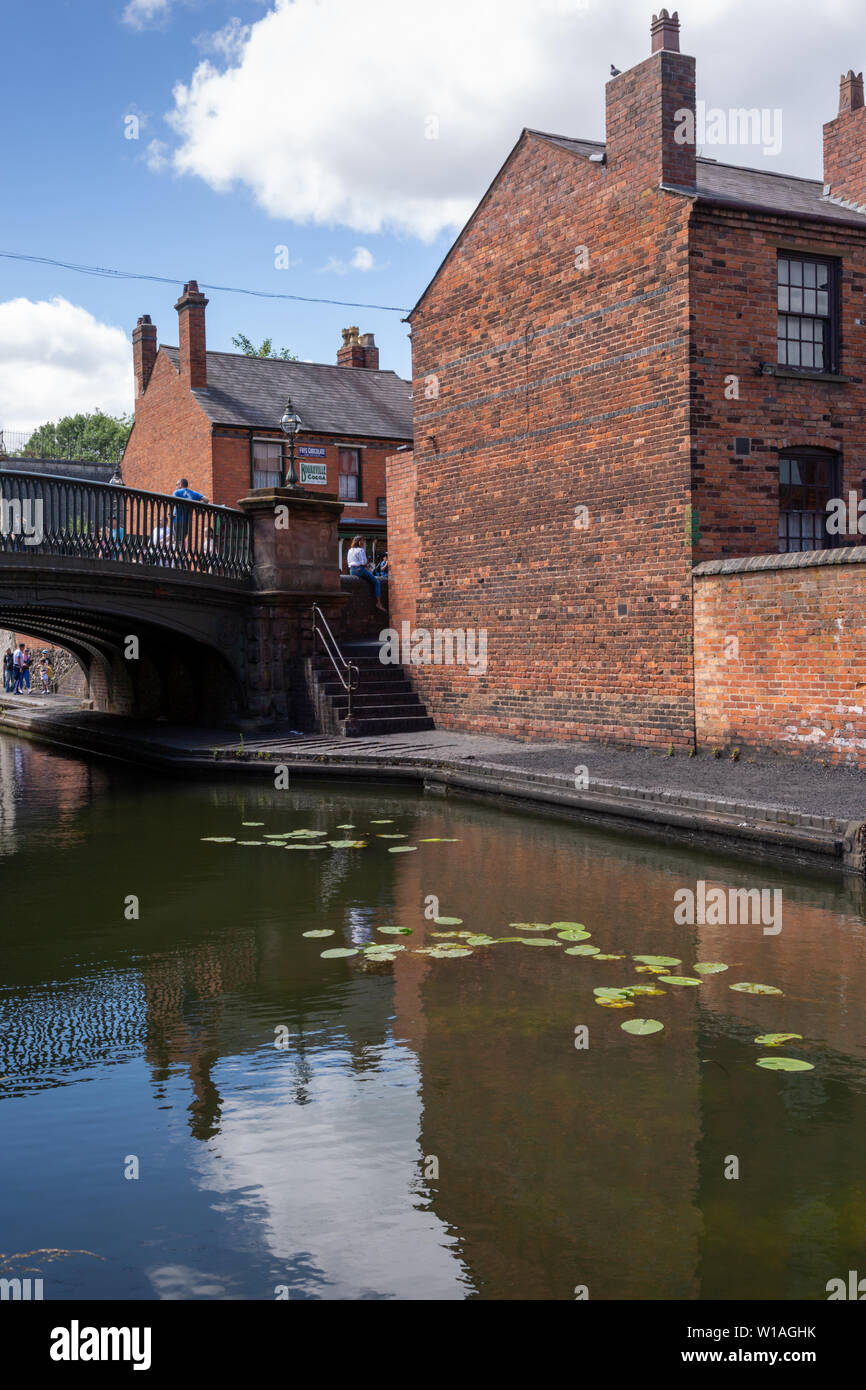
291	426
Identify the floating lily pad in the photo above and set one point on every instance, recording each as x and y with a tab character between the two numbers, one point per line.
249	842
374	947
381	822
745	988
283	836
305	846
219	839
347	825
448	921
784	1064
530	926
252	822
641	1026
339	951
380	957
776	1039
709	967
646	990
651	969
607	1003
480	940
658	960
582	950
568	926
300	834
573	934
536	940
322	931
613	991
603	955
677	980
438	840
442	954
393	835
401	849
396	931
340	844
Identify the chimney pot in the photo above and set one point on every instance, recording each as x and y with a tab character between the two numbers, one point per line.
665	32
193	346
143	353
850	91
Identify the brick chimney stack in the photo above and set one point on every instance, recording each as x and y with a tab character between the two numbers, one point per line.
358	350
650	117
143	353
193	349
845	143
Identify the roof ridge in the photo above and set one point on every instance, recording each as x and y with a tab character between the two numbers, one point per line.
288	362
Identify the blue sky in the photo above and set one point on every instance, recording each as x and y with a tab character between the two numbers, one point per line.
346	132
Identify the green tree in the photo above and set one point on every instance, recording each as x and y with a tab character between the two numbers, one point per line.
266	350
94	437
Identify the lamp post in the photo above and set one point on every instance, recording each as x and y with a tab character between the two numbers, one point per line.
291	426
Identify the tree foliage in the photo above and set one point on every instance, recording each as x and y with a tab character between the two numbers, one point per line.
94	437
249	349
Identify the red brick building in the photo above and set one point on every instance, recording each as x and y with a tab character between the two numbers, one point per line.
632	360
214	418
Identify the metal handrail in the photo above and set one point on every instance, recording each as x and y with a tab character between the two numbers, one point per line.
54	515
352	681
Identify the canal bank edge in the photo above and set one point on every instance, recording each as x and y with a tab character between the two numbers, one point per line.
766	832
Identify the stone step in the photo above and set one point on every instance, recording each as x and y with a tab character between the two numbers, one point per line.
389	688
403	725
399	699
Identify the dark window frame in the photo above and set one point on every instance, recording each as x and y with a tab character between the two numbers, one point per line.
278	443
831	341
825	469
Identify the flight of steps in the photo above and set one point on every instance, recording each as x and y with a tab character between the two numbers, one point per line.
385	702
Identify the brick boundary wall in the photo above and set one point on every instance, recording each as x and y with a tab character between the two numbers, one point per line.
780	654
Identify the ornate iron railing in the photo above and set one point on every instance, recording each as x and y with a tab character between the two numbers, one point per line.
101	521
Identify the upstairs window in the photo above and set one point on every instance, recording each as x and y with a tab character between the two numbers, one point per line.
807	323
350	475
267	463
808	480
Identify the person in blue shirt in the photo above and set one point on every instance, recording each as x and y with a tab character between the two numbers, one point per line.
181	515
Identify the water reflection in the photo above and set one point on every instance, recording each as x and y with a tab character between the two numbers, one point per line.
309	1167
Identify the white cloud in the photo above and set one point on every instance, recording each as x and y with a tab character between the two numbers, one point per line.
57	359
141	14
156	156
394	115
227	43
362	260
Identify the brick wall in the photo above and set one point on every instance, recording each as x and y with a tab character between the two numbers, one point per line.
780	655
733	284
170	438
557	386
402	538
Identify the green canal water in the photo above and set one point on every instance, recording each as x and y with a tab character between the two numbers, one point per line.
344	1128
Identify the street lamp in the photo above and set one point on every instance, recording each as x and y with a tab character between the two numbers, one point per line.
291	426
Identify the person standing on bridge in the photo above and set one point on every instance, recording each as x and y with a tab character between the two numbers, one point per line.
181	515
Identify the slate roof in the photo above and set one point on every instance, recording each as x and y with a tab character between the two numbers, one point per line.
351	401
734	186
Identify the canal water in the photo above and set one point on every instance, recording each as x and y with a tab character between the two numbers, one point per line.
196	1103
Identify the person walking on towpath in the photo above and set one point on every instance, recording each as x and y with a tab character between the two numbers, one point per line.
358	566
8	669
22	668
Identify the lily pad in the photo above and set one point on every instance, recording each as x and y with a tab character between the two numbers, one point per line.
776	1039
340	844
305	846
318	932
582	950
658	960
442	954
536	940
438	840
646	990
603	955
677	980
218	839
480	940
381	822
784	1064
347	825
303	834
530	926
613	991
746	988
709	967
375	948
641	1026
573	934
252	822
401	849
380	957
392	835
336	951
607	1003
396	931
651	969
568	926
249	842
448	921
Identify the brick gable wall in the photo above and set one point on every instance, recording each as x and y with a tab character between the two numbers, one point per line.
170	438
557	387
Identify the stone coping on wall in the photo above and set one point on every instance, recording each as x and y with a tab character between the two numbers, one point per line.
791	560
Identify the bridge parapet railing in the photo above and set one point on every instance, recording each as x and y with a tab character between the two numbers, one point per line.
105	521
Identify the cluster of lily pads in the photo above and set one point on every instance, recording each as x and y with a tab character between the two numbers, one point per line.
318	839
